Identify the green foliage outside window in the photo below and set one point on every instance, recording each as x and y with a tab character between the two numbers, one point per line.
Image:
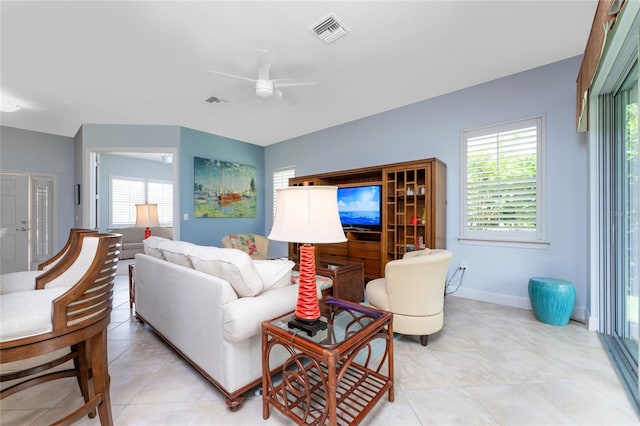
502	181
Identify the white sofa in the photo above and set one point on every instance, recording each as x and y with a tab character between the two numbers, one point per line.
208	303
132	238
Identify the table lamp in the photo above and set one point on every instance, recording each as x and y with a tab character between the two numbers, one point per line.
307	215
146	216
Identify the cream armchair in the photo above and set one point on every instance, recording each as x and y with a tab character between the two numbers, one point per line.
256	246
413	290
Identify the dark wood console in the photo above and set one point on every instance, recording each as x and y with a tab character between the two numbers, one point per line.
413	213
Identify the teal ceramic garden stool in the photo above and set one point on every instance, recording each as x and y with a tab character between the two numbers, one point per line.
552	299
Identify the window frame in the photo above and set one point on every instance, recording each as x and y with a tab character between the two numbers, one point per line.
288	172
145	183
528	239
164	208
43	216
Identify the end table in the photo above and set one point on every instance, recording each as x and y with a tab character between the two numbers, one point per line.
334	377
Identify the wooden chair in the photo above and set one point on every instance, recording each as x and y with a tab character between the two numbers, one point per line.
26	280
79	311
72	239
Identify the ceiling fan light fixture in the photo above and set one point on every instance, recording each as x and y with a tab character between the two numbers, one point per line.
264	88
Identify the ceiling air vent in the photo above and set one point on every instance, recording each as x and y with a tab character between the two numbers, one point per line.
329	29
214	100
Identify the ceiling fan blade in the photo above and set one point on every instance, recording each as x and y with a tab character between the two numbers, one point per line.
245	93
290	82
232	76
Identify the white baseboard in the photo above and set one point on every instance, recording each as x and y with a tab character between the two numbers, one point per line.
594	323
579	312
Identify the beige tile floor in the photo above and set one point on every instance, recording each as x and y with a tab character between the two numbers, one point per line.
490	365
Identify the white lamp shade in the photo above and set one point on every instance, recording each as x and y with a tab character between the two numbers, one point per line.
147	215
307	214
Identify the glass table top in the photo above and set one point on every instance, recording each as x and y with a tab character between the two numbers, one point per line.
343	321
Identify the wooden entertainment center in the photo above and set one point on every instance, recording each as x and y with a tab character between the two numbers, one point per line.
413	213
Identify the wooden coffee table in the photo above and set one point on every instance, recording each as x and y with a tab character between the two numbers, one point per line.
334	377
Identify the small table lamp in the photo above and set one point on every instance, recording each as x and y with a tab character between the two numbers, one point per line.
308	215
146	216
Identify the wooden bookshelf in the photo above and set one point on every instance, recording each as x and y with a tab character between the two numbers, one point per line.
413	212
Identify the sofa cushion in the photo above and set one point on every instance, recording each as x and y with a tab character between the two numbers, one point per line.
275	273
176	252
243	318
232	265
18	281
162	231
16	321
152	246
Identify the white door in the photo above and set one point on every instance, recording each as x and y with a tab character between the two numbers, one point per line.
14	223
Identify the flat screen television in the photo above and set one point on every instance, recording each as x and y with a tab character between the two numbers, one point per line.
360	207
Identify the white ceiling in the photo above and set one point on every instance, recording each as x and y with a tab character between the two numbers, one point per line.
146	62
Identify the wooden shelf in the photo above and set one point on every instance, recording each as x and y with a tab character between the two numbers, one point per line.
408	189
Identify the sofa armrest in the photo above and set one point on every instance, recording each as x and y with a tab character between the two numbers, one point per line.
243	318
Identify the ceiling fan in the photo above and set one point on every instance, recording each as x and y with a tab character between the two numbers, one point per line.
264	86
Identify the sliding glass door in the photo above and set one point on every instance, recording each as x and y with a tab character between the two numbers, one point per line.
619	227
624	224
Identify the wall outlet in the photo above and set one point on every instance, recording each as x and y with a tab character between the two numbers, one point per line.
463	265
185	216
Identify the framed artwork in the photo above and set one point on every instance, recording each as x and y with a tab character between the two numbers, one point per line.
223	189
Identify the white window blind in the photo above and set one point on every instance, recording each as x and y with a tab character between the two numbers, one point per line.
161	193
43	217
502	181
281	180
125	194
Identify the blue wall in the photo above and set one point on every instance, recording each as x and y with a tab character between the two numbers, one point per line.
33	153
199	144
433	128
120	166
104	138
187	144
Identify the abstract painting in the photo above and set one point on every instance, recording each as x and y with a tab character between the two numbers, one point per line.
224	189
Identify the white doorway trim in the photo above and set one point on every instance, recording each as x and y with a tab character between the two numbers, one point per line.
53	231
89	180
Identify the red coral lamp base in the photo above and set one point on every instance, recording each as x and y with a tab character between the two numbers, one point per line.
307	315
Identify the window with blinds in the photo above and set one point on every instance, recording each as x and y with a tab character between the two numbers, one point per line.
161	193
42	217
281	180
502	181
126	192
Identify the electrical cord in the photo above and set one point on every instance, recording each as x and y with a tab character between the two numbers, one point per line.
456	279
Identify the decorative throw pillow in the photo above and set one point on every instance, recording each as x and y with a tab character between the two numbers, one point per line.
175	252
275	273
152	246
232	265
244	242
